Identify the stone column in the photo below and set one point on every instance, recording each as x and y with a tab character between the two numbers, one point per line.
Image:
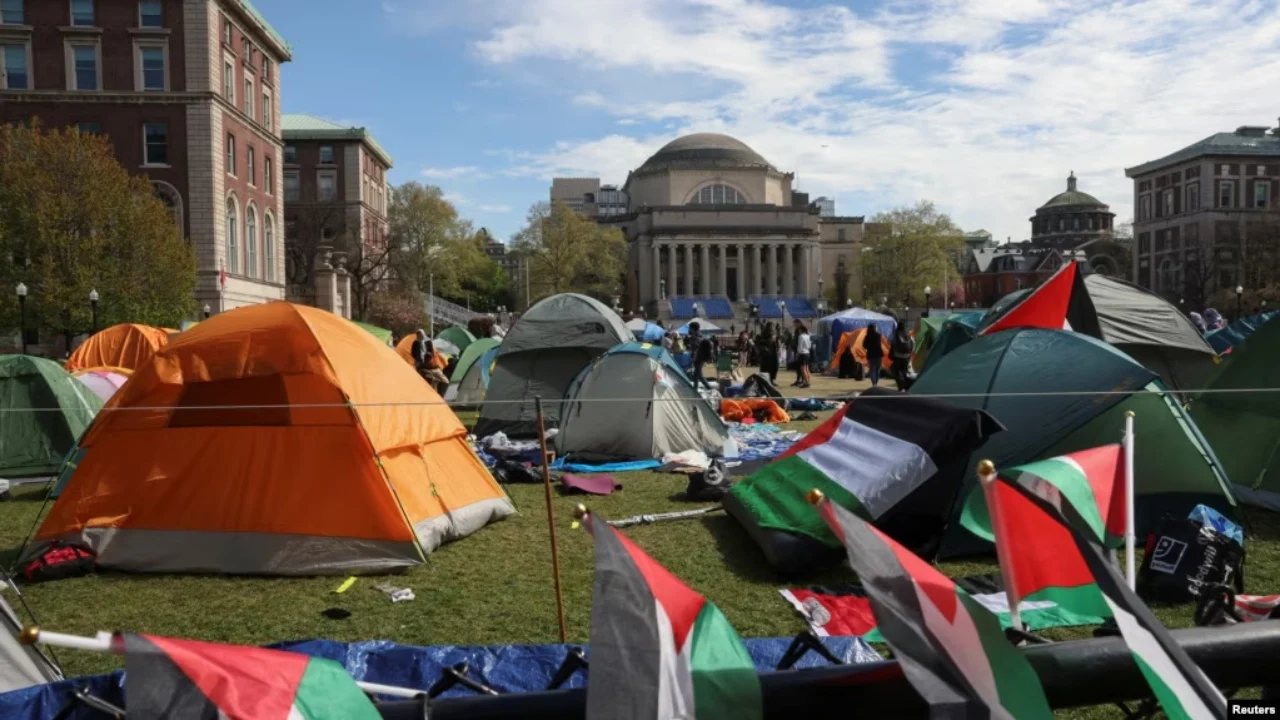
771	283
705	289
788	269
688	268
671	269
656	272
723	287
757	274
806	255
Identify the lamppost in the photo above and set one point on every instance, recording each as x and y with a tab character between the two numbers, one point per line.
21	290
928	293
206	311
93	304
820	295
1239	299
662	289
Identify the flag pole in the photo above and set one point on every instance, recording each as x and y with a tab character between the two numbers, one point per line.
1130	522
112	643
987	479
551	516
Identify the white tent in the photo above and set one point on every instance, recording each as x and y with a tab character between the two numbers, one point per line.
21	665
704	325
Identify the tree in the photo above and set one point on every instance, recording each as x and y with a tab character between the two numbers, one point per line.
398	312
567	252
72	220
920	245
432	247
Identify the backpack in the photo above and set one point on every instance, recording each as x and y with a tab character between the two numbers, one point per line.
59	561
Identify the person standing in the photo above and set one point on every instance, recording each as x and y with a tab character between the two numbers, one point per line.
871	343
700	350
900	356
804	350
744	348
767	351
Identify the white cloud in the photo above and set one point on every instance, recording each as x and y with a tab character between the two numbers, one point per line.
498	209
469	172
461	201
980	105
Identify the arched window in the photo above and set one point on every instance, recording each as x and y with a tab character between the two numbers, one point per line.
1075	223
168	195
269	247
717	194
1062	224
251	242
1165	280
233	249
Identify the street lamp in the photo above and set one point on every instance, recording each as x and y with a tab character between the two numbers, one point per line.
928	293
93	303
21	290
1239	299
820	287
206	311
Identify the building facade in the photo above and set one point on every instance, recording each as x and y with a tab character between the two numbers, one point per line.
188	93
1071	219
1198	212
335	201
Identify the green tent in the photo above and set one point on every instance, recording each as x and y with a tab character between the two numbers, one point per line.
1090	386
382	334
459	336
1244	427
931	329
956	331
470	355
45	410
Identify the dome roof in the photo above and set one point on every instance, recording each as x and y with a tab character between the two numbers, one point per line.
704	150
1073	197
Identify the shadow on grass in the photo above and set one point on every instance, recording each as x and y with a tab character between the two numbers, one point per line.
1261	525
745	560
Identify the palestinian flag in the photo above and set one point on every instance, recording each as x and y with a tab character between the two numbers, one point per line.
659	649
170	678
1035	551
873	458
1059	303
951	648
1177	682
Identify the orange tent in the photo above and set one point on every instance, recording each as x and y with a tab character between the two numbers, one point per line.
278	439
128	346
404	349
854	338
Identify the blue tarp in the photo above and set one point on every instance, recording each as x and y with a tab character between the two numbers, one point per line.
506	668
834	326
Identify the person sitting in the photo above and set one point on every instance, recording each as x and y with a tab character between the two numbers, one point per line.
424	361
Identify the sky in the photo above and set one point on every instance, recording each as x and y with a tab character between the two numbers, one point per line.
982	106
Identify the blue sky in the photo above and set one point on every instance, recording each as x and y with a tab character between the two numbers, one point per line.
982	106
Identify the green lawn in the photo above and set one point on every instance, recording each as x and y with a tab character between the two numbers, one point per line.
494	587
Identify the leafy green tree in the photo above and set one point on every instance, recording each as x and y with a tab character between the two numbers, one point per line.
567	252
72	220
921	243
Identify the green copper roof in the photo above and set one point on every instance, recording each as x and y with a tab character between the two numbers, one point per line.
299	126
1244	142
1072	197
252	12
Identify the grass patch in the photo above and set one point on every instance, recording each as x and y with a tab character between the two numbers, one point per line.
494	587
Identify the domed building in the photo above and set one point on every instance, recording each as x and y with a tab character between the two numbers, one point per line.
1071	220
709	222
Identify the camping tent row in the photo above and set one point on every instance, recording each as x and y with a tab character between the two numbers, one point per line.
278	439
1225	338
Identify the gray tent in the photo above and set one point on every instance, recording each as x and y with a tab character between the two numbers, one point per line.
1152	331
21	666
539	357
635	403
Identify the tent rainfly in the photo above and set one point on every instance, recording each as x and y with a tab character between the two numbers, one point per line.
458	337
471	375
43	412
127	346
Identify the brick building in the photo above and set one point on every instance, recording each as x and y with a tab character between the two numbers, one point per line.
188	93
992	273
335	197
1198	210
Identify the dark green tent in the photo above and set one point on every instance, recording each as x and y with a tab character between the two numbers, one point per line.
956	331
44	411
1244	427
1058	392
459	336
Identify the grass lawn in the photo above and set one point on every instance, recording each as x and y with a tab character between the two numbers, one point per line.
494	587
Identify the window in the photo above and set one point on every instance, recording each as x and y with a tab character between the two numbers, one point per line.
290	155
229	82
292	191
14	74
149	14
1193	198
231	154
266	175
233	251
82	13
717	195
1075	223
1062	224
251	242
1261	194
266	68
248	52
269	247
248	98
89	128
151	59
326	185
248	166
1144	209
1168	202
839	234
1226	194
155	138
326	154
85	67
11	12
226	31
266	110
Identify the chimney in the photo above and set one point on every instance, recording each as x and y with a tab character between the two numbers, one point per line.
1071	182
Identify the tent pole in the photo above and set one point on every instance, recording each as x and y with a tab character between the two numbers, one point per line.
987	479
1130	524
551	517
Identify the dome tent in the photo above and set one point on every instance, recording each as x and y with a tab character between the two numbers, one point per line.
657	410
471	376
45	410
550	344
127	346
459	337
284	440
103	381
